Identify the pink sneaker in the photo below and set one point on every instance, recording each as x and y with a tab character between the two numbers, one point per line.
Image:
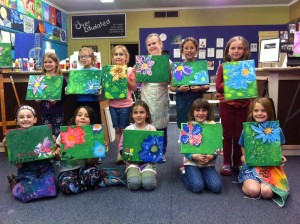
226	170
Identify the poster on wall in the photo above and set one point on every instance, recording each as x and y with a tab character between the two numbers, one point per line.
98	26
269	50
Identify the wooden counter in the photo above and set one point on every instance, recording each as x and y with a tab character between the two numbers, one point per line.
284	89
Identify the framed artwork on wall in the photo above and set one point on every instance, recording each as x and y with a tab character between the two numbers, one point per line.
253	47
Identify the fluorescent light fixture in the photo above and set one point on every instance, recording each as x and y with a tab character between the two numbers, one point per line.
107	1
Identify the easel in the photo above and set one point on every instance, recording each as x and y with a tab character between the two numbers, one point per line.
4	123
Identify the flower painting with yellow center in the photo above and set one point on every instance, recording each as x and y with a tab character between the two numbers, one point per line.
44	87
152	68
239	80
82	142
190	73
115	81
262	142
118	72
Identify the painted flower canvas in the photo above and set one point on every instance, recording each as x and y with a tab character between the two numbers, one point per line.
84	82
198	138
5	54
22	150
143	146
190	73
239	80
262	143
44	87
82	142
152	68
115	81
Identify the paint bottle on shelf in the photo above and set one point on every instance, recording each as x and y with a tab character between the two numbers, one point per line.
17	65
67	64
25	64
74	64
20	64
31	64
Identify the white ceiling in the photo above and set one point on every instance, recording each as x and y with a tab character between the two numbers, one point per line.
86	6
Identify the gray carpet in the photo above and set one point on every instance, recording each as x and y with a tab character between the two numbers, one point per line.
169	203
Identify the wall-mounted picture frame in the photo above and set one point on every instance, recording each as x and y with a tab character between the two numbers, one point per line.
269	50
253	47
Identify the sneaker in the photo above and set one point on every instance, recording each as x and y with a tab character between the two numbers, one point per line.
11	180
182	170
226	170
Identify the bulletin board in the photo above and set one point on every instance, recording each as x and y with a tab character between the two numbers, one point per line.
213	40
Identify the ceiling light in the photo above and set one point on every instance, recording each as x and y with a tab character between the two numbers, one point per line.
107	1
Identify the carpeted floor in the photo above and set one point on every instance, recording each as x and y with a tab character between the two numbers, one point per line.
169	203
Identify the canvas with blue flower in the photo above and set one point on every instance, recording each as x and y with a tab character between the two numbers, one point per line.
142	146
84	82
262	143
152	68
190	73
198	138
239	80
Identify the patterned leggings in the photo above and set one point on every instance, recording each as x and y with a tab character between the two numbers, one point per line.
79	180
56	120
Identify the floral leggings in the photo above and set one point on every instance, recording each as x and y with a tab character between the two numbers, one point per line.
56	120
79	180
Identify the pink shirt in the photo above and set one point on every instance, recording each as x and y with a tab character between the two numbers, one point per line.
122	103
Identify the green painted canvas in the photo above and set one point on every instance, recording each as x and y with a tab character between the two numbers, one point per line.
115	81
190	73
5	54
239	80
198	138
44	87
262	143
152	68
82	142
30	144
143	146
84	82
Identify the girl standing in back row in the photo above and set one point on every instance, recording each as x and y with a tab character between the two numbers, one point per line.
120	108
185	95
232	112
156	95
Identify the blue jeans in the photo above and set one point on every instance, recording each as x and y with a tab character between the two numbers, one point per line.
196	178
120	116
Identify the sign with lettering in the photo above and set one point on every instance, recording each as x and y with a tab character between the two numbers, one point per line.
98	26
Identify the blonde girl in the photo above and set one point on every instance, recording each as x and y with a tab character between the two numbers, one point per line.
120	108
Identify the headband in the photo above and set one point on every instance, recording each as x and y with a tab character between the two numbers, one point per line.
26	107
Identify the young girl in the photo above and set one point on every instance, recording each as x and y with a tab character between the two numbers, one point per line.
185	95
76	176
232	112
52	111
140	174
156	95
88	60
200	169
35	179
255	179
120	108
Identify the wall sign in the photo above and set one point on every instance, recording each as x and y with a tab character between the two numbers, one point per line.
98	26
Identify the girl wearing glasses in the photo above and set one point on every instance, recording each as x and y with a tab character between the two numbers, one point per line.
88	60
